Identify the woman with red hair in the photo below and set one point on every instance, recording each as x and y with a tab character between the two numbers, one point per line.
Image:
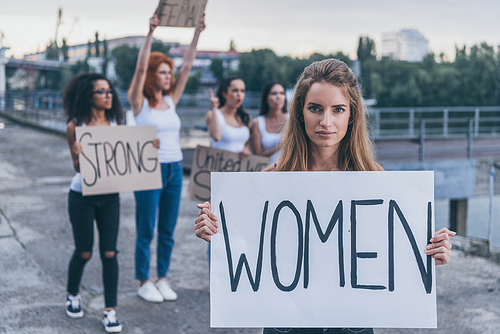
153	96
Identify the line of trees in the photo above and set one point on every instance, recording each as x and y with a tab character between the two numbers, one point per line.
259	66
471	79
125	58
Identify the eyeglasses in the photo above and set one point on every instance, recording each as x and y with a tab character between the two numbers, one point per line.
103	92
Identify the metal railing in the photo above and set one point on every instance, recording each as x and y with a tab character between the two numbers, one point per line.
423	135
453	131
40	107
43	107
441	122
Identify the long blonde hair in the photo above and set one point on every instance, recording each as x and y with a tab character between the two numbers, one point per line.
355	149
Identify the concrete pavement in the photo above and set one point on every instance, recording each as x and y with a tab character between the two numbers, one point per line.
36	245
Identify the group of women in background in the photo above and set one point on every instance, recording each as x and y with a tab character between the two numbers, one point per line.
90	99
326	131
229	125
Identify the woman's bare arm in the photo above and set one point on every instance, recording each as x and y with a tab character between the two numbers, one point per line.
187	63
134	94
75	148
211	118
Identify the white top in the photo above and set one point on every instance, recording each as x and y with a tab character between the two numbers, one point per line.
76	181
268	140
232	139
168	127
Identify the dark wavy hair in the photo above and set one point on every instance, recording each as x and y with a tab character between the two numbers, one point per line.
223	86
77	95
264	107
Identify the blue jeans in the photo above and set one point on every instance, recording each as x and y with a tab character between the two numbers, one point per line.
166	201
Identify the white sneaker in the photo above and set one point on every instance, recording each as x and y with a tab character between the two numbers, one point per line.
150	293
111	324
166	290
74	306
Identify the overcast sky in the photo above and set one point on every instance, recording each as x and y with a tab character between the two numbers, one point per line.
293	27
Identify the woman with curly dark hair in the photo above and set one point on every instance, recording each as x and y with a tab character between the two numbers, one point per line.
91	100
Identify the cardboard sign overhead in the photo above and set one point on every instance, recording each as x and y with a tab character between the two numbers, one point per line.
323	249
118	158
180	13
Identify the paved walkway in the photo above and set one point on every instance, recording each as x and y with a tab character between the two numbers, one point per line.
36	244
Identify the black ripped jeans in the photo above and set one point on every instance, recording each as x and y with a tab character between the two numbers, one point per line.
105	210
318	331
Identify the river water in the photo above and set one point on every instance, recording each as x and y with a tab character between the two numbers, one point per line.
477	217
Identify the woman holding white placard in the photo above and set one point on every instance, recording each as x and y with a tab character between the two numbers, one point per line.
327	131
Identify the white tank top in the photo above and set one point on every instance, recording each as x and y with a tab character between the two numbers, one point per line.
76	181
268	140
168	127
232	139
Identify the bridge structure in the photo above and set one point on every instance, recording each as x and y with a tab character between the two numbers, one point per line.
42	66
460	144
400	134
39	65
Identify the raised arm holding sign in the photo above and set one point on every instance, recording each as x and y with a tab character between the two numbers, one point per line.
153	96
327	131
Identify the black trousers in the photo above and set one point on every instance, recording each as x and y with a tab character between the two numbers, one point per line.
105	210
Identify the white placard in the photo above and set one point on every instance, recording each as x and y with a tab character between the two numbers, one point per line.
118	158
323	249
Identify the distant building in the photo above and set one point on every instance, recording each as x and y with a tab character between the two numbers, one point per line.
78	52
405	45
204	60
201	63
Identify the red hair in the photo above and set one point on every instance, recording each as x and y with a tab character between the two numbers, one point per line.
155	60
